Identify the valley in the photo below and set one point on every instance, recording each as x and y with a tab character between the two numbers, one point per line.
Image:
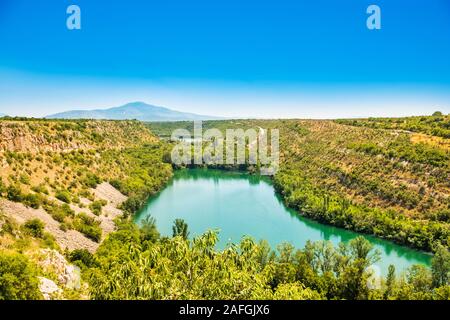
74	186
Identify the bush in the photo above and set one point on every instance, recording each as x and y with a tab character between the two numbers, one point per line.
32	200
132	204
34	227
18	280
59	213
96	206
63	196
14	193
88	226
91	180
82	258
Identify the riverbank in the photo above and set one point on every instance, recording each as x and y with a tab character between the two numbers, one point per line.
377	182
239	204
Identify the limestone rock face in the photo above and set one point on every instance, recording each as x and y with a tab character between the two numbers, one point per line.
49	289
69	276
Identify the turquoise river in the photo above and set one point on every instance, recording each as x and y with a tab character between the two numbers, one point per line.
239	204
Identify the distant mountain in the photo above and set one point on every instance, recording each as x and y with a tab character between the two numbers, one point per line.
3	115
135	110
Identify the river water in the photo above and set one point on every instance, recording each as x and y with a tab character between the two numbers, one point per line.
239	204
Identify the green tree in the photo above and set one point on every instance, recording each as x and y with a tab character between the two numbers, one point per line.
390	282
180	228
82	258
354	276
18	279
361	249
440	266
148	230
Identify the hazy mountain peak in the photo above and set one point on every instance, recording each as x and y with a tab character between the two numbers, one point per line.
134	110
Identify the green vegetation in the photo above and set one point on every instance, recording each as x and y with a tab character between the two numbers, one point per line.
180	228
18	279
82	258
394	185
35	228
177	268
386	177
436	125
88	226
63	196
96	206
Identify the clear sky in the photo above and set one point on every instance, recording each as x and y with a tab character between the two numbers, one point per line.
244	58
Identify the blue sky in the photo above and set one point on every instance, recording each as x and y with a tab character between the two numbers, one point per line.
265	58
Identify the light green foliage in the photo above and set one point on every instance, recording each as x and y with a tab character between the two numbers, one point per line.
18	279
441	267
88	226
96	206
132	266
436	125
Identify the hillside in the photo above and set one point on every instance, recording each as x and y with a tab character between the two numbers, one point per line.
437	125
61	172
69	187
390	183
135	110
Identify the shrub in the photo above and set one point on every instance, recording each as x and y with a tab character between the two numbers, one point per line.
88	226
32	200
14	193
34	227
132	204
18	280
64	196
82	258
96	206
40	189
91	180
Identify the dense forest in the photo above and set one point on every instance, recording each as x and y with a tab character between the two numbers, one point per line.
373	176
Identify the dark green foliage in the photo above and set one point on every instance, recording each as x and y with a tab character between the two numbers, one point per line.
390	282
59	212
14	193
32	200
148	230
402	149
131	267
35	228
309	200
82	258
91	180
63	196
180	228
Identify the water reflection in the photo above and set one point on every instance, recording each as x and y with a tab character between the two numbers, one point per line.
240	204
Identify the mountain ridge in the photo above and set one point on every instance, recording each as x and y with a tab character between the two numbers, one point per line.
133	110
